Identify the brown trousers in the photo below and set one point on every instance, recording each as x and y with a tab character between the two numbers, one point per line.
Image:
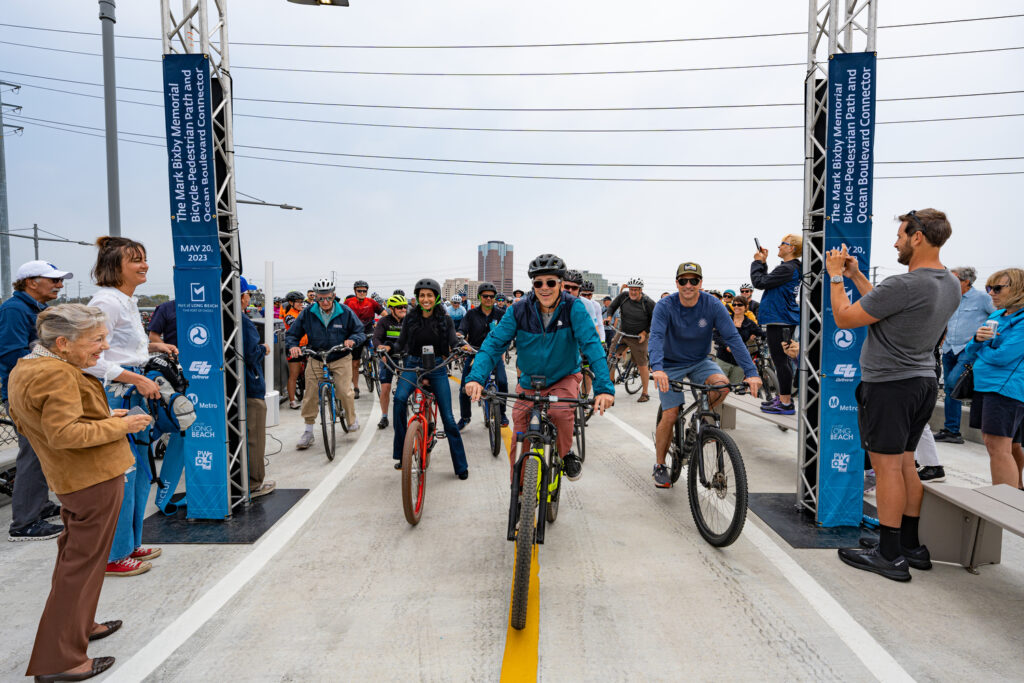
90	518
341	373
256	436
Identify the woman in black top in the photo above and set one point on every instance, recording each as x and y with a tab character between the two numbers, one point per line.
747	330
428	324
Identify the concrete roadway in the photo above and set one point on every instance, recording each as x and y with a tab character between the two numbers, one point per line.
628	589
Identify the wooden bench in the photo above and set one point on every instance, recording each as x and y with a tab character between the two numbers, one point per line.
752	406
965	526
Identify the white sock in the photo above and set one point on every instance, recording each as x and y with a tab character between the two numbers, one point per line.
309	429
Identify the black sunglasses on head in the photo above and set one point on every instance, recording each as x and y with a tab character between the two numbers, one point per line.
688	281
550	284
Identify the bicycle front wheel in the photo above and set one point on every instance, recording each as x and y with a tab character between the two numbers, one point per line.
719	504
414	474
493	426
525	535
327	419
631	378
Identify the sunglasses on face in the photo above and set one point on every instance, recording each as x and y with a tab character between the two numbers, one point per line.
486	296
994	289
587	294
570	288
399	308
739	305
550	284
688	281
786	244
360	291
747	291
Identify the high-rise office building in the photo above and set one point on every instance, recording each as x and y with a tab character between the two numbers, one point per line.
600	283
494	264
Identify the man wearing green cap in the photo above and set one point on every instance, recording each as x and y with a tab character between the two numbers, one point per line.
681	332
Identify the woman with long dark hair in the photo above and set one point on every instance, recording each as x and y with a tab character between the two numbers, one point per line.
120	268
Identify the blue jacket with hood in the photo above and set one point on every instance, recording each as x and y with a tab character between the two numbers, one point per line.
326	330
780	303
999	362
552	352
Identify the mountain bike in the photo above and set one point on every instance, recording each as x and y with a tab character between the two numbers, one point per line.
332	412
370	367
535	489
625	370
421	432
717	486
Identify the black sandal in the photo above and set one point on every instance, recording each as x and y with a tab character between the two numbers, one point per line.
111	627
99	665
644	398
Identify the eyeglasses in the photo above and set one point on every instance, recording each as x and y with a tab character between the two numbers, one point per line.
399	308
550	284
587	294
486	296
786	244
360	291
994	289
688	281
727	296
738	305
570	287
744	291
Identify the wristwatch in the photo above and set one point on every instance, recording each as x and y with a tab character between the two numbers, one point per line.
837	279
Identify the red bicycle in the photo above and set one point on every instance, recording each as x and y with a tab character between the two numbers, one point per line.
421	433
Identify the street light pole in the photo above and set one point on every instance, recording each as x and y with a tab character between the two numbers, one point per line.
5	242
107	21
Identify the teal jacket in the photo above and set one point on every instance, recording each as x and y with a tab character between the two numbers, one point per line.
552	352
999	362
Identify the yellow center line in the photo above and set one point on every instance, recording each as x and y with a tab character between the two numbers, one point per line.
520	660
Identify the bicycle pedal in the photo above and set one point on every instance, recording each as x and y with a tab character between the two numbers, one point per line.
440	435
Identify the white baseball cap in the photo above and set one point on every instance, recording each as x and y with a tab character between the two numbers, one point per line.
41	269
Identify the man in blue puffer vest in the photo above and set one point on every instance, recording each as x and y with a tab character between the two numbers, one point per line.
327	324
550	328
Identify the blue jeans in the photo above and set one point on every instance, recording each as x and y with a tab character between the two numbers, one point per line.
128	535
465	407
437	381
952	368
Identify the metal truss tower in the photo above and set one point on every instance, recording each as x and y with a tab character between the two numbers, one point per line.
192	32
834	26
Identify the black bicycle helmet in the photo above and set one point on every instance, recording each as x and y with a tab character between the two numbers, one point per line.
587	286
486	287
398	292
427	283
546	264
294	296
573	276
360	284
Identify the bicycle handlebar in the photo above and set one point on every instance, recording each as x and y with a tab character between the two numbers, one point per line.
420	371
739	387
322	355
538	398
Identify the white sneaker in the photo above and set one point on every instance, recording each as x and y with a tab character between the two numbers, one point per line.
294	405
354	427
305	441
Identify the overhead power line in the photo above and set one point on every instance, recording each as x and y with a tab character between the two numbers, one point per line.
534	45
544	177
606	72
502	109
28	119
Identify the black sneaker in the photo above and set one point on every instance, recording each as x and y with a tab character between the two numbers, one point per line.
383	424
662	479
572	466
356	392
934	473
50	511
398	464
39	530
463	475
917	558
870	560
462	423
946	436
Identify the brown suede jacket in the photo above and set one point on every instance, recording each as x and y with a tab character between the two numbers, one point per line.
65	416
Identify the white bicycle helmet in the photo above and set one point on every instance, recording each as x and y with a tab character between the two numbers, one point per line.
636	282
325	284
456	299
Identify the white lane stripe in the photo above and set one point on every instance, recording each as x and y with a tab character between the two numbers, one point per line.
868	650
156	652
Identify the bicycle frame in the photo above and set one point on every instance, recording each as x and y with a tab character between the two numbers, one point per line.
697	411
325	374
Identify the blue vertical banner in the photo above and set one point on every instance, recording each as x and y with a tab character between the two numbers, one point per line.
848	201
197	274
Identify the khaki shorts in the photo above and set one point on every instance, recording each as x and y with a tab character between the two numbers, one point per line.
637	350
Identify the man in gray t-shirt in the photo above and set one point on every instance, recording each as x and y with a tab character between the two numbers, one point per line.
905	317
912	310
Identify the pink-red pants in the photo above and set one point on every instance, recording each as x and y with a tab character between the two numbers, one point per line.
561	415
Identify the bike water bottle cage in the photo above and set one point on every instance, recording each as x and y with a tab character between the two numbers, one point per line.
427	357
538	382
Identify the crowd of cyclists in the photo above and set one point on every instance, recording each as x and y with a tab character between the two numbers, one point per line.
557	329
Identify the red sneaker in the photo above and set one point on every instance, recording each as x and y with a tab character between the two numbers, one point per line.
127	567
142	553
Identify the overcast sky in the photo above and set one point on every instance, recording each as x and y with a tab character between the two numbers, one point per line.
393	228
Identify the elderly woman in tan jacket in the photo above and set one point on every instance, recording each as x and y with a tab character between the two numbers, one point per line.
84	454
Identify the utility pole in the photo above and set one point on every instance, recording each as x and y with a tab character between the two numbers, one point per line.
107	21
5	242
35	239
